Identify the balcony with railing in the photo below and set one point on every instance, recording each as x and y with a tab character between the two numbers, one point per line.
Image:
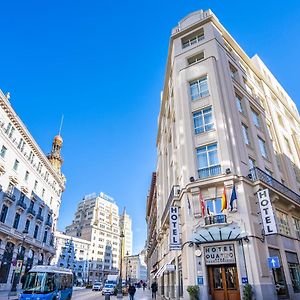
258	174
31	211
175	191
209	172
215	219
39	218
21	205
9	197
48	223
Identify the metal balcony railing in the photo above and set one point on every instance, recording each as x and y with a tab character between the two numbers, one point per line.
9	196
48	223
216	219
40	217
21	204
31	211
258	174
209	172
174	193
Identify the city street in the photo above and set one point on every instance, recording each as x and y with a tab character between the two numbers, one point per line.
88	294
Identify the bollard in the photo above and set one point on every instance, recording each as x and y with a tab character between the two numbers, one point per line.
107	296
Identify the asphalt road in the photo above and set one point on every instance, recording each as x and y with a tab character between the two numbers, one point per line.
87	294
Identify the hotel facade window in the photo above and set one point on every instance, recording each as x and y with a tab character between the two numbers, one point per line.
203	120
208	162
199	88
3	151
251	162
283	223
294	268
239	104
3	214
255	118
16	221
213	206
246	134
296	224
262	147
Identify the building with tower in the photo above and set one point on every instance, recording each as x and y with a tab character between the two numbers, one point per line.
97	220
126	227
227	174
31	187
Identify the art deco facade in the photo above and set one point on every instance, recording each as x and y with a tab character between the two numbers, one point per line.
30	197
224	121
97	220
72	253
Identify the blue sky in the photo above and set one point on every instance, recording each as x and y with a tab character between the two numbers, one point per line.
102	66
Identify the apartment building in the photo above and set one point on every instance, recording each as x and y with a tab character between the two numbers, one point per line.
72	253
31	185
228	160
97	220
135	268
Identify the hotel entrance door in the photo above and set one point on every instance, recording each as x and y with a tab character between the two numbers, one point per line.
223	282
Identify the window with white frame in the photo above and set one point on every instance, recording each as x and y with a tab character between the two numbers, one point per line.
262	147
255	118
283	223
248	88
193	59
208	162
3	151
199	88
245	134
213	206
203	120
296	224
251	162
192	38
233	72
239	104
16	165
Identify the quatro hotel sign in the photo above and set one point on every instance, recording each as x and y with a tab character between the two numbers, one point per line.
174	229
217	255
267	213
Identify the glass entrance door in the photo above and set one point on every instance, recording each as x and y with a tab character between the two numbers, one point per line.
223	282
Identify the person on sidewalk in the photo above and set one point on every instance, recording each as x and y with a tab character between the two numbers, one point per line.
144	285
131	291
154	289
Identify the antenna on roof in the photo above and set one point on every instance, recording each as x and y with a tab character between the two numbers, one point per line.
61	124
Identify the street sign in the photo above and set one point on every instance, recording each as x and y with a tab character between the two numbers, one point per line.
273	262
200	280
244	280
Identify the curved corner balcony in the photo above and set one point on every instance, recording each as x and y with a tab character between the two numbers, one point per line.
216	219
209	172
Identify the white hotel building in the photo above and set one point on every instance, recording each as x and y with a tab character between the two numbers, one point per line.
31	186
225	121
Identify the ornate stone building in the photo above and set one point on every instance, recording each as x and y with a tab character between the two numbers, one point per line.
30	197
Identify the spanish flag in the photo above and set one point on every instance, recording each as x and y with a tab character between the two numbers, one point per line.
224	200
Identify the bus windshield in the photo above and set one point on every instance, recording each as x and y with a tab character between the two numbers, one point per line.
39	283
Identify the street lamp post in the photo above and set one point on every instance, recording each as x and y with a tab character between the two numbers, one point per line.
21	255
120	294
127	253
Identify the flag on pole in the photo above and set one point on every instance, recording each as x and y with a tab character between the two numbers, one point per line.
202	204
233	197
224	200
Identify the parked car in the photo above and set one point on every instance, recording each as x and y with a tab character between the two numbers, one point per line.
108	289
97	286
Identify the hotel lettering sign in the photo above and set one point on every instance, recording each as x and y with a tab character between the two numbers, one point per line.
174	229
267	213
218	255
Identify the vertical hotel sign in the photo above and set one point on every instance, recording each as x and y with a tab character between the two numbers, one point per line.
267	213
174	229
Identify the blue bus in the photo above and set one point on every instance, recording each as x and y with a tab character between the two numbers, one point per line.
48	283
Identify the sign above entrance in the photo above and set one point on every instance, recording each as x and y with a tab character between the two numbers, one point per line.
267	213
217	255
273	262
174	229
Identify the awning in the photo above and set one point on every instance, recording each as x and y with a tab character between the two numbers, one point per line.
166	267
212	234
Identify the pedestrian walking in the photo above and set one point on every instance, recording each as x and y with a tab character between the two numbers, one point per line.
154	288
144	285
131	291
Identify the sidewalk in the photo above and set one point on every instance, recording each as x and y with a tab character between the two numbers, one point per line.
4	295
144	295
